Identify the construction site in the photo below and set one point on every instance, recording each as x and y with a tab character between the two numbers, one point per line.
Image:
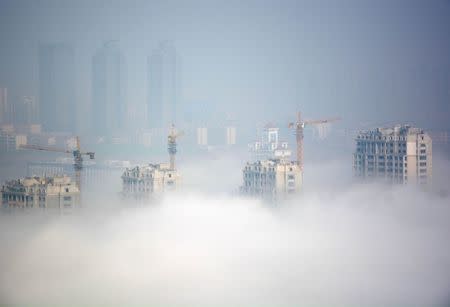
274	174
153	179
277	178
270	174
59	193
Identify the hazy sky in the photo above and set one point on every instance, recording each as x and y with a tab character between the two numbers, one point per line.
339	243
382	61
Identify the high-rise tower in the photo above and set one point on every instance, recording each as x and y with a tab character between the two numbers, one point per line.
57	101
108	89
163	86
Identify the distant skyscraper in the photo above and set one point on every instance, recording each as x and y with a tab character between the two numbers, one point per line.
230	135
4	107
163	86
108	89
57	103
25	110
202	136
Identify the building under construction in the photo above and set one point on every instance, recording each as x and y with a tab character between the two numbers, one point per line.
153	179
269	146
41	192
279	178
272	180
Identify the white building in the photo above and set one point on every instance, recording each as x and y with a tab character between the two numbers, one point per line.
41	192
272	179
11	141
152	179
401	154
202	136
230	135
269	146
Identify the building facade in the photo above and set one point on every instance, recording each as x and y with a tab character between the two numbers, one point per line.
108	89
5	111
10	141
91	174
41	192
163	86
401	154
57	103
272	179
26	111
148	180
269	146
202	136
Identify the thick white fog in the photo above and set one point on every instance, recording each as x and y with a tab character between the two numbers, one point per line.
352	245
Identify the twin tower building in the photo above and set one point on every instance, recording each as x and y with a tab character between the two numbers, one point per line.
110	111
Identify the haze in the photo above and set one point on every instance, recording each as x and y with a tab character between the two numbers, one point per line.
241	64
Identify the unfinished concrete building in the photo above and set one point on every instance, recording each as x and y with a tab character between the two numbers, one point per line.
400	154
41	192
269	146
153	179
272	180
143	181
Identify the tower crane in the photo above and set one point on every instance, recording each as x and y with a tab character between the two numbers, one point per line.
299	125
172	145
77	156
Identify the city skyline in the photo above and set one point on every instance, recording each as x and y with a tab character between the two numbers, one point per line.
225	153
364	60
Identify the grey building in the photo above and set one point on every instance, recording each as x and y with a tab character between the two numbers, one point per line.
108	89
25	111
401	154
163	87
272	180
57	102
149	180
4	106
41	192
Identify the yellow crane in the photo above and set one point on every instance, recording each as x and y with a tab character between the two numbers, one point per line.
77	156
172	144
299	125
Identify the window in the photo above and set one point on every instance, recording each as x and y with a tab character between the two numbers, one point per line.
67	190
67	198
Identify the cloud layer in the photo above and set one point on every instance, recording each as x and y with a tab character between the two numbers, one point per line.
363	246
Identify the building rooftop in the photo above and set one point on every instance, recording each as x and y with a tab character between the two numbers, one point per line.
397	130
31	181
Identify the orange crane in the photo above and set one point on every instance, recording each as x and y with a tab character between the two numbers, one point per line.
172	145
77	156
299	125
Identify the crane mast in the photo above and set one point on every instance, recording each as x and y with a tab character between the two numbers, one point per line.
299	126
172	145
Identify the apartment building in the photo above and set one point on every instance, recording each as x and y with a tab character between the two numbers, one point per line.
400	154
41	192
272	180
